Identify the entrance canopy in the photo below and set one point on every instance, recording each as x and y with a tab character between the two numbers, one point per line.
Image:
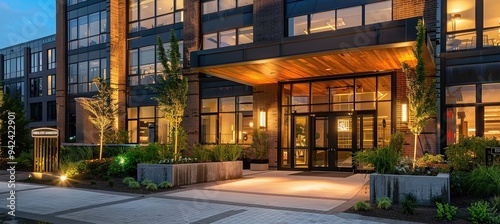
366	49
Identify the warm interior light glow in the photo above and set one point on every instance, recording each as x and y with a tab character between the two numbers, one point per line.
404	112
262	116
63	177
250	124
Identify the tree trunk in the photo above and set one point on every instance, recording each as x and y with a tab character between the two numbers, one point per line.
415	152
175	141
101	136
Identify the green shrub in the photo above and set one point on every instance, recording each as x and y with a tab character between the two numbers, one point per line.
495	201
409	204
95	167
76	153
201	153
485	181
445	211
438	199
428	160
165	184
126	164
93	183
469	152
260	144
459	182
384	159
384	203
218	153
111	183
145	182
362	206
25	159
112	151
127	180
479	212
233	152
69	169
105	178
116	137
134	185
152	187
397	141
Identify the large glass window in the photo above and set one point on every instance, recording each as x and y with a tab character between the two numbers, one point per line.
36	87
227	120
323	21
228	38
51	85
36	62
461	122
13	68
81	75
461	94
147	14
492	121
87	30
51	58
51	111
297	26
349	17
36	112
139	121
144	64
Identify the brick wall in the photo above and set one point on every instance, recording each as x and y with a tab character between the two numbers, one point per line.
266	97
268	19
118	57
61	77
403	9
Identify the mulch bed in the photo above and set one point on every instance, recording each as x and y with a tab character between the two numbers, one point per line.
422	214
95	183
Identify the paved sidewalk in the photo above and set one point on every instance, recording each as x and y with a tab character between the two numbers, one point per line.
206	203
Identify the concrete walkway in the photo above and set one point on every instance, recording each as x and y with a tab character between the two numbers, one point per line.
264	197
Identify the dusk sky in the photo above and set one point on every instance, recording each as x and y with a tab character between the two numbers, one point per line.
24	20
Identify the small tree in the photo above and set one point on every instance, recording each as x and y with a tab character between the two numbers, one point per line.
172	87
421	97
22	134
102	108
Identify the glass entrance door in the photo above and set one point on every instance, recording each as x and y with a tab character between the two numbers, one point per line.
321	151
343	142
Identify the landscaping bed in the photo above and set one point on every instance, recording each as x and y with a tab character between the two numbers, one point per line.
422	214
85	182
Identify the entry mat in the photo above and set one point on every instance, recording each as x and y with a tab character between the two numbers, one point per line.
324	174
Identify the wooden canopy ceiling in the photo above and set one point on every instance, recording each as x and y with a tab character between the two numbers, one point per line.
358	60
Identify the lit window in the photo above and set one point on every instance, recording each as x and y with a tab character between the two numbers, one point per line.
349	17
210	41
227	38
297	26
323	21
245	35
378	12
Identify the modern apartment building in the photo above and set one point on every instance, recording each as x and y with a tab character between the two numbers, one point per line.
322	78
29	69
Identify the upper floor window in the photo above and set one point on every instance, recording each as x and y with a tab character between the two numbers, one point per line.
81	75
462	16
340	18
13	68
72	2
51	111
36	112
226	38
88	30
221	5
51	85
144	64
51	58
147	14
36	87
36	62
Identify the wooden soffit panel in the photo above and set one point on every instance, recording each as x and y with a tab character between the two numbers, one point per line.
357	60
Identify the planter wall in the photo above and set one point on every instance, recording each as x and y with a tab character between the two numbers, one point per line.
190	173
259	167
396	186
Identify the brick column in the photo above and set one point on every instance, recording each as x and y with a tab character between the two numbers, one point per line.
61	71
191	36
403	9
118	57
266	97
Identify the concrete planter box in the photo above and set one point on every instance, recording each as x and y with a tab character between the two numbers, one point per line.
189	173
396	186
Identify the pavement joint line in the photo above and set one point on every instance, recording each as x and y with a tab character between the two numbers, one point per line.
28	189
349	203
279	195
45	218
248	205
95	206
219	216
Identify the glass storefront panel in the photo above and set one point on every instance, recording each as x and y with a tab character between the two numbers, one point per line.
383	123
490	92
342	91
285	127
349	17
226	104
285	155
320	158
245	122
132	131
320	92
384	88
245	103
297	26
227	38
285	94
300	94
227	128
208	105
344	159
492	121
210	41
461	94
208	128
366	89
461	122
